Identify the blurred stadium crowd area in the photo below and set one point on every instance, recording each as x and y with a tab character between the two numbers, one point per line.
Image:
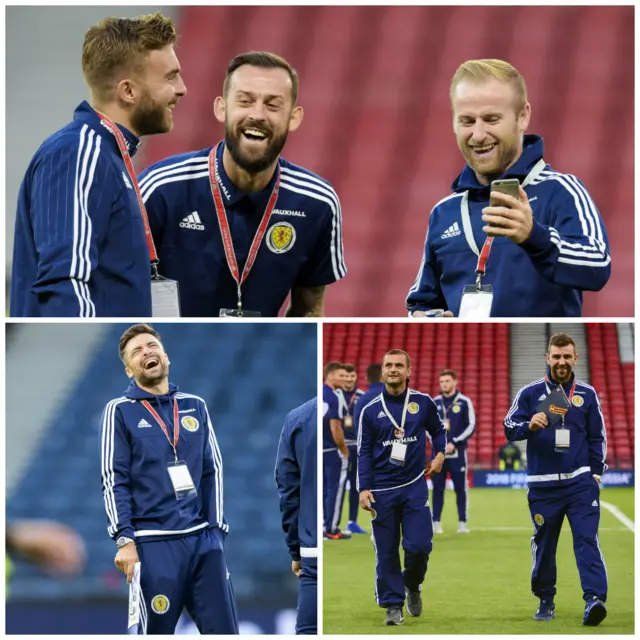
251	376
493	361
374	83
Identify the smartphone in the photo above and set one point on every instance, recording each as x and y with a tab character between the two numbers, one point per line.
510	187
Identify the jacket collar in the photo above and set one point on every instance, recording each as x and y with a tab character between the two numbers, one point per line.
532	152
86	113
134	392
231	195
388	396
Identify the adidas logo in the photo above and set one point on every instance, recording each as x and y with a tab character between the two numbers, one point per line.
143	423
381	414
192	221
594	503
451	232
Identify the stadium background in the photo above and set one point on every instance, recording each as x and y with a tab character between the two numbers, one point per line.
493	361
58	380
375	87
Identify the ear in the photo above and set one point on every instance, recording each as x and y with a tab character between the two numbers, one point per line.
220	109
524	118
127	92
295	120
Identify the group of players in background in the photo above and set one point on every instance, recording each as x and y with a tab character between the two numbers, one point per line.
343	404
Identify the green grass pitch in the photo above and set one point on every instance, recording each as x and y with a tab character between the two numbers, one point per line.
480	583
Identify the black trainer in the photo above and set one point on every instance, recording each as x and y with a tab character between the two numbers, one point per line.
394	616
414	602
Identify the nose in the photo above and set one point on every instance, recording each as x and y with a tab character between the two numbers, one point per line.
181	89
478	132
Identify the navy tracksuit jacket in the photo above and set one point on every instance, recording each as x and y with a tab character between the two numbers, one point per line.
80	248
302	245
459	419
180	543
563	484
334	466
567	252
296	479
350	400
400	492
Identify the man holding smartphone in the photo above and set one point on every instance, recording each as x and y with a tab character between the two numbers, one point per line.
561	419
515	238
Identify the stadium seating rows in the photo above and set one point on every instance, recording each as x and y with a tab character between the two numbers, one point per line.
479	353
241	372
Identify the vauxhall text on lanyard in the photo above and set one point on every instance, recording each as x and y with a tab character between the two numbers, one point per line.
225	232
563	435
398	449
476	299
181	480
165	300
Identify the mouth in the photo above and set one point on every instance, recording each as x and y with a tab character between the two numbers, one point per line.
255	135
151	363
484	150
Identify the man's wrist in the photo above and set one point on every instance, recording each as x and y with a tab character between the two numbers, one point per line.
123	541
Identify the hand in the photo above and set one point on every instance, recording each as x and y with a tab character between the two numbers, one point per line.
435	466
450	447
296	567
366	500
509	217
539	421
126	557
423	314
57	548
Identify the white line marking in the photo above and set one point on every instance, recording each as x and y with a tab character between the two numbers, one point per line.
530	528
627	522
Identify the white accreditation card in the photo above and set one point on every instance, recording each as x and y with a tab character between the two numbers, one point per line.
165	299
181	480
563	439
398	453
134	601
476	303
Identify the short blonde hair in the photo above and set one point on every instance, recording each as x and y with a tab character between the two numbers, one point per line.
121	44
478	70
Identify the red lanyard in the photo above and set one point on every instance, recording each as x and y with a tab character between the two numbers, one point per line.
124	152
482	261
573	388
163	426
444	409
225	230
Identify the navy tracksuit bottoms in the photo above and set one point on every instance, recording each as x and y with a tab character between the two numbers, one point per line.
352	477
457	467
334	470
307	618
401	511
580	502
189	571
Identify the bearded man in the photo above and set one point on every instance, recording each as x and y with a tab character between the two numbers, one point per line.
236	225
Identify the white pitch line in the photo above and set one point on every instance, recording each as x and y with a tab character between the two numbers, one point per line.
627	522
530	529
